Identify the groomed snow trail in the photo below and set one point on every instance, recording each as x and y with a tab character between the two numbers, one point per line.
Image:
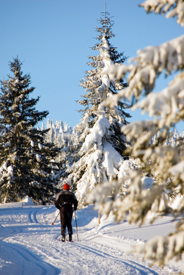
29	244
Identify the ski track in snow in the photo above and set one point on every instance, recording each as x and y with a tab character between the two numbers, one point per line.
32	216
29	245
30	260
119	260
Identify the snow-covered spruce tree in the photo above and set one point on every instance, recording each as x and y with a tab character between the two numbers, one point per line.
94	83
100	144
59	136
63	137
26	161
165	163
69	155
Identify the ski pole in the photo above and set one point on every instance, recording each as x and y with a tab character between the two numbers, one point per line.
76	226
56	218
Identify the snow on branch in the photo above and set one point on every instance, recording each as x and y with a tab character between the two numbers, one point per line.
178	169
140	203
167	104
149	63
141	133
168	56
161	249
171	7
98	131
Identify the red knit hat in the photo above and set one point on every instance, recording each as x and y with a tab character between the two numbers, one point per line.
66	187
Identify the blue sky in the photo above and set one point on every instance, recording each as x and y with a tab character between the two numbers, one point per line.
53	39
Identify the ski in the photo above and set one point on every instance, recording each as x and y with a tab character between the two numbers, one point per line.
66	240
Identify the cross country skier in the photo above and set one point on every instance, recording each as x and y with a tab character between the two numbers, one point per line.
64	201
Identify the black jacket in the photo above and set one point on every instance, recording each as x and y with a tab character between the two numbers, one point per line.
66	198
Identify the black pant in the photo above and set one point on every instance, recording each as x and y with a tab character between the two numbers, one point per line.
66	213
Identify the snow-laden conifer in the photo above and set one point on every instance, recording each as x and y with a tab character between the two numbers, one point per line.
161	159
26	161
100	143
65	138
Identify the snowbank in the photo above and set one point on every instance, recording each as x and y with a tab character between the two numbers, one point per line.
27	201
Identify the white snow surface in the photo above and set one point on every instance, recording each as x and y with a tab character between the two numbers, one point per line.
29	243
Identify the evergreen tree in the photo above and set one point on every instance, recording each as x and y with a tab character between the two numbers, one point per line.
97	89
62	136
98	149
26	162
161	158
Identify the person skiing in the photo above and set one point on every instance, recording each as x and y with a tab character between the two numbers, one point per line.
64	202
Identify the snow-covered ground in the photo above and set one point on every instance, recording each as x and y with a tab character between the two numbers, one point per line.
29	243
